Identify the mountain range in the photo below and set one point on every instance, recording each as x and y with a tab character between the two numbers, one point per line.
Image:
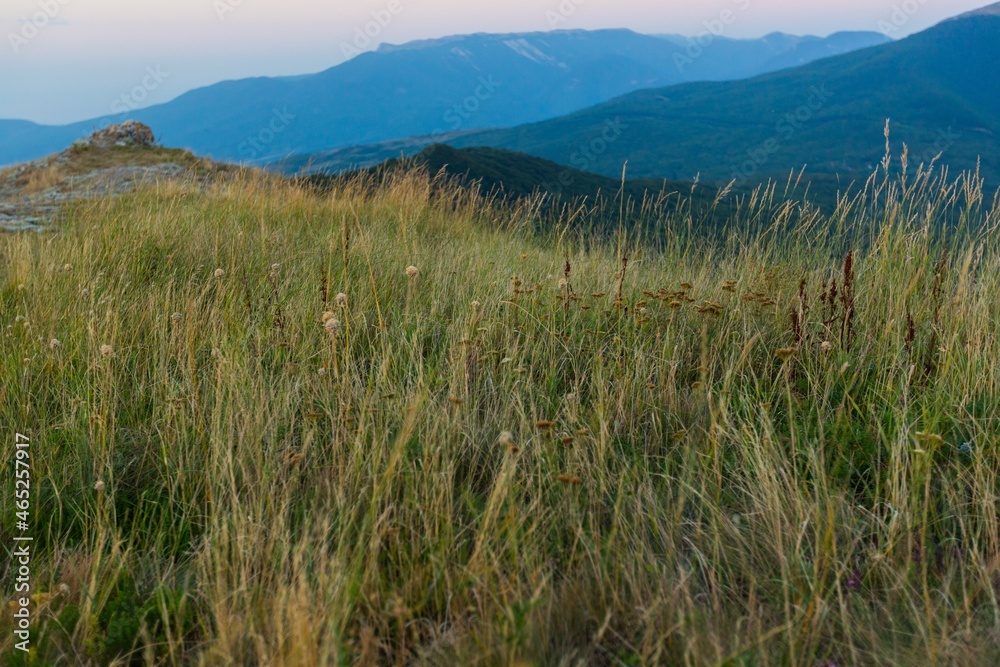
937	88
436	88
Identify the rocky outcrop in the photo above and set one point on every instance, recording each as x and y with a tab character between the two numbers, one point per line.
129	133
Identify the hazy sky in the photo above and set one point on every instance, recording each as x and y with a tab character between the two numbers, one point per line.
67	60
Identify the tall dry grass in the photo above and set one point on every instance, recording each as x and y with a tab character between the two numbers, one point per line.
731	448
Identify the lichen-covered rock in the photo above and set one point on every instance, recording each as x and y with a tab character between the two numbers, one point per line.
129	133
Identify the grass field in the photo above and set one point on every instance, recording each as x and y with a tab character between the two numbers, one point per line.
772	445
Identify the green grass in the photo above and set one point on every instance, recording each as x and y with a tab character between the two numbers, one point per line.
688	478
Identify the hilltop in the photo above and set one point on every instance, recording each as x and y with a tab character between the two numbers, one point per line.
111	161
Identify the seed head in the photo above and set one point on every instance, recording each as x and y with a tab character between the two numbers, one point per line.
107	351
176	317
567	478
341	299
99	486
827	346
85	293
412	272
332	325
785	353
219	273
54	344
563	283
67	267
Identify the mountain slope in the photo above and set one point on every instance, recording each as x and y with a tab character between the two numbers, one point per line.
938	87
514	175
426	88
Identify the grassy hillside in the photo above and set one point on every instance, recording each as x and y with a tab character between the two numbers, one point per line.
936	87
398	427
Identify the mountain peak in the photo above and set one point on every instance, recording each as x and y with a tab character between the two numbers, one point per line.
989	10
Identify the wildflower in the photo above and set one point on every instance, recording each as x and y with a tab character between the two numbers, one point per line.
583	431
544	425
567	478
412	272
455	400
785	353
332	325
176	317
341	300
107	351
729	286
54	344
675	304
597	295
687	286
567	440
99	486
294	459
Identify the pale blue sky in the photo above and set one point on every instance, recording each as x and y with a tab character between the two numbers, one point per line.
66	60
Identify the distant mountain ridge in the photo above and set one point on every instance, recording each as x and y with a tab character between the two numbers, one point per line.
432	87
938	87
